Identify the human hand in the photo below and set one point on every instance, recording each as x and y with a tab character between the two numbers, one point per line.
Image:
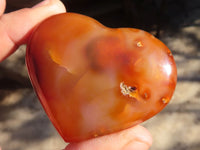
135	138
16	27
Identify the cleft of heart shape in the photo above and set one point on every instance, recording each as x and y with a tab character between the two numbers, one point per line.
93	80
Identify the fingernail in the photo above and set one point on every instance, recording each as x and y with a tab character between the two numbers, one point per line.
136	145
42	3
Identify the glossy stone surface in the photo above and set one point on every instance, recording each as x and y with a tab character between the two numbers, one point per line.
93	80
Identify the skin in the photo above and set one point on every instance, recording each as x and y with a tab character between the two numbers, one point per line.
14	32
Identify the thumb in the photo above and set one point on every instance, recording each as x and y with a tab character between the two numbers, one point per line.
135	138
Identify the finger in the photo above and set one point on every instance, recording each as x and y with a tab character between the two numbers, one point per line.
135	138
15	27
2	6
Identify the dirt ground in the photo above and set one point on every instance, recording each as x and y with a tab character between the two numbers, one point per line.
25	126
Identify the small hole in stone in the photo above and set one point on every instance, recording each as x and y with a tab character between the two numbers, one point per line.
139	44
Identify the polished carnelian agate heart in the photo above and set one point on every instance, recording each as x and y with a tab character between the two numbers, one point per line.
93	80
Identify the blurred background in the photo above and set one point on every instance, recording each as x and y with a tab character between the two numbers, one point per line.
25	126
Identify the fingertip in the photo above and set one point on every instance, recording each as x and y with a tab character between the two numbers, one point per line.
2	8
141	134
135	138
55	5
17	26
141	139
42	3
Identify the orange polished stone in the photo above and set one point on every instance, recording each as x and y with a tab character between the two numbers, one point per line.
93	80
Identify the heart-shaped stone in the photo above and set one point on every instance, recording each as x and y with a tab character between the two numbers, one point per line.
93	80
